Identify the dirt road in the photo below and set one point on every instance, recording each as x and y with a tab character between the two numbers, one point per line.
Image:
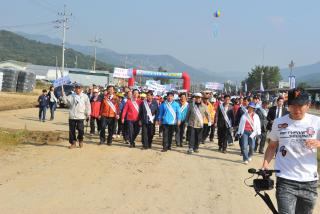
117	179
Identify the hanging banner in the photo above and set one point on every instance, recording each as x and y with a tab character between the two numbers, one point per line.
62	81
122	73
292	82
214	86
159	74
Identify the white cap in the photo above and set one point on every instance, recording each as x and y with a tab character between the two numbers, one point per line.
197	95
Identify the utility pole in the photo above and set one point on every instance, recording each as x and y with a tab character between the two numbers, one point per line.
76	62
95	41
292	81
125	62
63	23
56	67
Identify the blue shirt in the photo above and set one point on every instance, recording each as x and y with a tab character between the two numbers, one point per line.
43	100
165	115
184	112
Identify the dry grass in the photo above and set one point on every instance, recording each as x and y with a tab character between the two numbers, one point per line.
11	101
9	139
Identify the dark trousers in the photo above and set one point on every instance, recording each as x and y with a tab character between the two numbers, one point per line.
168	131
205	132
224	136
260	142
147	135
120	127
296	197
188	133
92	125
180	133
42	113
212	131
195	138
133	131
53	106
73	126
109	122
125	132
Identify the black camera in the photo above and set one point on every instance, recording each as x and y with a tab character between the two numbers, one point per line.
264	183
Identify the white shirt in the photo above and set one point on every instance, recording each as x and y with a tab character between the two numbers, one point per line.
294	160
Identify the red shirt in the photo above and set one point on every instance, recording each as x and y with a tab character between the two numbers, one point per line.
248	126
235	109
95	108
130	112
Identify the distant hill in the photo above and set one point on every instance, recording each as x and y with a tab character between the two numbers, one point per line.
307	73
16	47
144	61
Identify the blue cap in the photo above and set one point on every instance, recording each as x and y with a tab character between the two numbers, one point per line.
252	105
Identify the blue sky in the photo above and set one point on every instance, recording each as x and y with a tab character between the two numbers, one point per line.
286	29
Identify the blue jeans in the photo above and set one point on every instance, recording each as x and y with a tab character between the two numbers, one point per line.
53	106
295	197
247	145
42	112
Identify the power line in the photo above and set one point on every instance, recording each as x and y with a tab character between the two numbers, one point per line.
45	6
63	23
95	41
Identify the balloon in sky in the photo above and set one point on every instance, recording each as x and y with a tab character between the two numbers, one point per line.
217	14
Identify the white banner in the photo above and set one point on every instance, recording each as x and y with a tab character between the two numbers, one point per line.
214	86
284	84
122	73
292	81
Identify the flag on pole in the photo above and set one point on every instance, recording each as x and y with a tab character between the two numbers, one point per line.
261	87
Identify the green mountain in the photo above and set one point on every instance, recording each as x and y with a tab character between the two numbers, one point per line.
16	47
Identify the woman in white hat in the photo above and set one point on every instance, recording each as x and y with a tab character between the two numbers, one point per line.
249	129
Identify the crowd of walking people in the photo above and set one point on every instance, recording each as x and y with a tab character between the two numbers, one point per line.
184	118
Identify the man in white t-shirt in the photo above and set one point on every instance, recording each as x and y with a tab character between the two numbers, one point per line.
297	137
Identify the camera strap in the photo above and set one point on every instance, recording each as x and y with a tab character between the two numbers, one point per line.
266	198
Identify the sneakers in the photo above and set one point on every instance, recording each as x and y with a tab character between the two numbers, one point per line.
72	146
250	159
80	144
196	151
245	162
190	151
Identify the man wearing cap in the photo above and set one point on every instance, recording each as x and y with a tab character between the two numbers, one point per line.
249	129
207	123
147	114
79	110
131	113
184	106
95	102
224	121
297	135
169	117
109	114
196	115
